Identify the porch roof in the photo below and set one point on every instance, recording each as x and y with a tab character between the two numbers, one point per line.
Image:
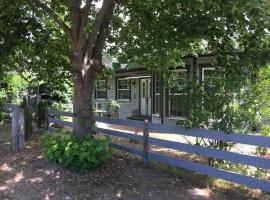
136	77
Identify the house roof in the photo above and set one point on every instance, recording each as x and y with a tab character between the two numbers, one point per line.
118	67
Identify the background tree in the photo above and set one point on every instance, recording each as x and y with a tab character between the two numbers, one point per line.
158	34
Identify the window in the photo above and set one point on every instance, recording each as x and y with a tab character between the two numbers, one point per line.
157	95
178	98
208	78
101	89
123	89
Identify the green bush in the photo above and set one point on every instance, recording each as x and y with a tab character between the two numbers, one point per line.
265	130
80	155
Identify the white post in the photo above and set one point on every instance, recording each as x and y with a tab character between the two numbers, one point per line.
17	134
14	138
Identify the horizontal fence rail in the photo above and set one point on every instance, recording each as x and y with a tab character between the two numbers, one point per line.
120	134
11	106
211	171
213	153
120	122
213	134
60	113
248	139
128	149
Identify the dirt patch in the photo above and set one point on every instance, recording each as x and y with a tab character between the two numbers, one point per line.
28	175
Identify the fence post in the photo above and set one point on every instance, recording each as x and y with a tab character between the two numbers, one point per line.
46	119
146	140
18	132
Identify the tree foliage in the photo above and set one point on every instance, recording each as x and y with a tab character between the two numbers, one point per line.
58	36
158	34
33	47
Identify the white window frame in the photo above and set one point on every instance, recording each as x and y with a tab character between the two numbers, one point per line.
177	94
117	89
203	76
206	69
105	80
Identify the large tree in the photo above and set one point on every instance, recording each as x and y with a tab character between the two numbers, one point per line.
155	33
86	28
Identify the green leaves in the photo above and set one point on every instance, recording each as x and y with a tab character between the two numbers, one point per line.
80	155
157	34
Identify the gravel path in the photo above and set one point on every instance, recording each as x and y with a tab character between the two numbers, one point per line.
28	175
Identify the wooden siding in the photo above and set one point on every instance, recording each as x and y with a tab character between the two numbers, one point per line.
126	107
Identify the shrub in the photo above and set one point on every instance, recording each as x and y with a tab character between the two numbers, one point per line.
80	155
265	131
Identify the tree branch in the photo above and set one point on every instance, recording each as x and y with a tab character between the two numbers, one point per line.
85	15
100	19
75	10
103	33
56	18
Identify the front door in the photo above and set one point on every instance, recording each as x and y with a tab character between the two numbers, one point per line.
146	97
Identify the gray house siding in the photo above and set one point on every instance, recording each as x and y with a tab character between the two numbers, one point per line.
127	107
130	107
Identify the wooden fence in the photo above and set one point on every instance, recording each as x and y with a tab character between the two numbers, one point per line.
17	132
147	154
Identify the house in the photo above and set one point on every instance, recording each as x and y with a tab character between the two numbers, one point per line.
142	94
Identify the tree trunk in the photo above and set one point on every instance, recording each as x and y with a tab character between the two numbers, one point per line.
86	54
84	81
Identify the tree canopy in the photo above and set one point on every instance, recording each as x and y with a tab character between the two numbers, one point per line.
52	40
162	32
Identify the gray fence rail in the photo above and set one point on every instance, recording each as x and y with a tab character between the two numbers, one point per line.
254	140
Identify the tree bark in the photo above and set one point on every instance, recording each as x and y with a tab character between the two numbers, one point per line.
86	55
84	78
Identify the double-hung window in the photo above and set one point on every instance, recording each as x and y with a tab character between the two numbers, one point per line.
178	98
101	89
208	78
123	89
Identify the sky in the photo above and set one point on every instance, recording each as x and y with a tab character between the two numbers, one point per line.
98	4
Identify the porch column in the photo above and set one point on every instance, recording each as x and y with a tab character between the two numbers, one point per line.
152	94
161	102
